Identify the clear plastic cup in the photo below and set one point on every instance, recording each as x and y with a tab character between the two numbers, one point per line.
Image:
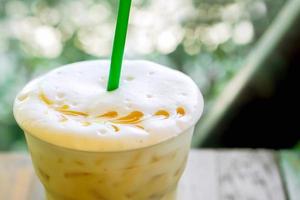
148	173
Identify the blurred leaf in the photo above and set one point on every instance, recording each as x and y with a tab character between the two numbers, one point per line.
297	146
203	38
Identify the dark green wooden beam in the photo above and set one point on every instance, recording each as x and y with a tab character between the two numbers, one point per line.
290	168
256	60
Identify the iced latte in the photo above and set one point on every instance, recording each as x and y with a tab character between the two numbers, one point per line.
90	144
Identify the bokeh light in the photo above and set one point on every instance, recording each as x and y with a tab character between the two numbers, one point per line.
205	39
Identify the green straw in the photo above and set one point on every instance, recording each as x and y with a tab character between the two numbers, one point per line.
119	44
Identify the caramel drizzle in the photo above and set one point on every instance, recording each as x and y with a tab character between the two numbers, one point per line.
63	109
45	99
115	128
111	114
72	112
162	113
139	126
86	123
180	111
133	118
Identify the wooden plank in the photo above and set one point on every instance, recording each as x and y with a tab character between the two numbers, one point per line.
245	175
210	175
16	174
36	189
290	167
199	180
17	178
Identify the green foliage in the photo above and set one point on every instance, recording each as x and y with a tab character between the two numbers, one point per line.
297	146
208	40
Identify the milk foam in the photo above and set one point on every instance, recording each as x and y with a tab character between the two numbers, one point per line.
70	106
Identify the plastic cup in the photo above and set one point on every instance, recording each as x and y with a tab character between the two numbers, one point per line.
148	173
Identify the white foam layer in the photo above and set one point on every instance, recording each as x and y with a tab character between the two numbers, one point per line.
47	106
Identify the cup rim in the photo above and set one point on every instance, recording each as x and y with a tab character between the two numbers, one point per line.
183	132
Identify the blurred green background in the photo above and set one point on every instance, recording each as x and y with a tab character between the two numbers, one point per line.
208	40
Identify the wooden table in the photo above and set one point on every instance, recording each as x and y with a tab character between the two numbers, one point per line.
210	175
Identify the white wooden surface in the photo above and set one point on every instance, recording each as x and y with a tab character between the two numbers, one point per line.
245	175
210	175
200	180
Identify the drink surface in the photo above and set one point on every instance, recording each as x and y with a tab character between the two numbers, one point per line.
70	106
